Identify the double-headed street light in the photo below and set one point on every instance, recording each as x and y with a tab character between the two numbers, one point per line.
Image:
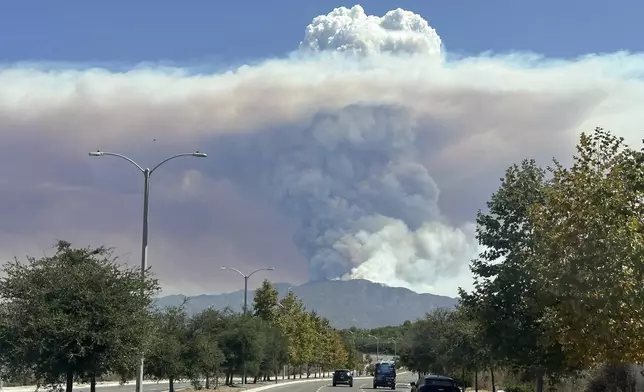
246	299
246	277
146	209
395	342
377	347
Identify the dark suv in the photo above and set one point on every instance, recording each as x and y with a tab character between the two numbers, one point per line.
435	383
384	375
342	376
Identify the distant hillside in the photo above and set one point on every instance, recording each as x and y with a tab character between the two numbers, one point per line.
359	303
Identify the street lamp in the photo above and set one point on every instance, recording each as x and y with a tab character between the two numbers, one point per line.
395	348
377	347
245	300
353	349
246	281
146	210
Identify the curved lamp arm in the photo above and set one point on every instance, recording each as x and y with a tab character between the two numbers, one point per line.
189	154
234	269
261	269
113	154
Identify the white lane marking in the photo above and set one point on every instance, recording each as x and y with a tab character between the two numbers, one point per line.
323	386
361	388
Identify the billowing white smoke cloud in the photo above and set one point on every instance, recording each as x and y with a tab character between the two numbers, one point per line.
352	30
343	145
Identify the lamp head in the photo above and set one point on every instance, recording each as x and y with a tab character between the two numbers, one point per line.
198	154
96	154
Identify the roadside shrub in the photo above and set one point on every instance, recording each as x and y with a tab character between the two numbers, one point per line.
519	388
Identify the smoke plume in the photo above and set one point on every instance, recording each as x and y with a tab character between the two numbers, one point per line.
365	153
366	205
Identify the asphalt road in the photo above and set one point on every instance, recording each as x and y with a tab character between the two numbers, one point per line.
359	385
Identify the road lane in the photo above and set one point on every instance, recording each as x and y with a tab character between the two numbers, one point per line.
402	383
360	384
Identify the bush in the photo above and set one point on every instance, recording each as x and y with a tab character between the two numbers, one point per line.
519	388
622	377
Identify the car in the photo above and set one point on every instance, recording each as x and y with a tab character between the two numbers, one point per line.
434	383
342	376
384	375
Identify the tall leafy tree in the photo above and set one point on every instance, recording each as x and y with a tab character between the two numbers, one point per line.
295	323
76	314
241	343
504	299
265	301
167	356
591	246
204	357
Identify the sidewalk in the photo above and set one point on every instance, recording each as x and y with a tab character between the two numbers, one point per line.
107	384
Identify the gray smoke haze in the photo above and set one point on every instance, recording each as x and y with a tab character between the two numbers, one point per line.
363	154
366	206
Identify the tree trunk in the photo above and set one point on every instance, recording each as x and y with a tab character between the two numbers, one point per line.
207	380
492	377
69	386
92	383
171	382
476	380
540	374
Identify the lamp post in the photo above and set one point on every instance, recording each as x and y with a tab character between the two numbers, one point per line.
146	209
246	277
353	348
395	347
377	347
245	300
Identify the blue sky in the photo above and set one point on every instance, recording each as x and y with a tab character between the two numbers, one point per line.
151	30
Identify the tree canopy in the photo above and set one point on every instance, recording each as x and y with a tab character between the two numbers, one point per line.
76	314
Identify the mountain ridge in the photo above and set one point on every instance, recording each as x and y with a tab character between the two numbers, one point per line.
346	303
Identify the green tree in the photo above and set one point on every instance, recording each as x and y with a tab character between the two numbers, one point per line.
167	356
590	234
76	314
275	351
241	343
296	326
205	357
505	298
265	301
419	350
